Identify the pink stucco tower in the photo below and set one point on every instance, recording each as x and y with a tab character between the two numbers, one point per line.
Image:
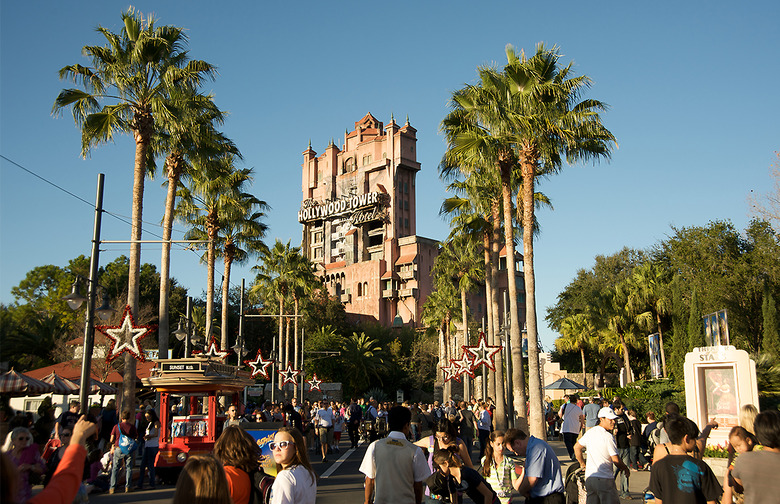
359	222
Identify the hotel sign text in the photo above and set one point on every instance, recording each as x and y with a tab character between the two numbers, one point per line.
361	208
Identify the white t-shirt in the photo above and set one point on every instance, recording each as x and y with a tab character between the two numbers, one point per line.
571	417
600	446
294	486
325	417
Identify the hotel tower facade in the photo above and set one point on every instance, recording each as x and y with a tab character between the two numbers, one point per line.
359	223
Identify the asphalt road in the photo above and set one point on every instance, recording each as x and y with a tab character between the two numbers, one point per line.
340	482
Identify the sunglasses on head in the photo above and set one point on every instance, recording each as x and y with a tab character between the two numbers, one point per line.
280	445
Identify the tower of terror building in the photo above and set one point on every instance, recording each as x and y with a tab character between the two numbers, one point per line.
359	223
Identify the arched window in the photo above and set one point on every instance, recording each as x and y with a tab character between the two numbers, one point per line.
365	288
360	290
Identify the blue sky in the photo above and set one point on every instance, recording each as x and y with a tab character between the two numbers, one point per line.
692	88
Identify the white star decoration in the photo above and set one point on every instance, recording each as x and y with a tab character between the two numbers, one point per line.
314	383
288	375
126	337
259	365
449	371
464	365
213	351
482	354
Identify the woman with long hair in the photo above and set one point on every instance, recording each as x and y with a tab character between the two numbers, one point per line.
459	479
240	455
445	435
295	481
499	471
24	454
202	481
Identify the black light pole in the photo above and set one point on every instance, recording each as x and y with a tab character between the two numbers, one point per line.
89	330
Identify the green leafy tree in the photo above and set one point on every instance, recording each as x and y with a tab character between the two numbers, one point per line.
579	334
648	297
695	324
770	342
364	360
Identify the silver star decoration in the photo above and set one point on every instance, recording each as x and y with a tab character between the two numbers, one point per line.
449	371
464	365
126	337
482	354
213	351
259	365
314	383
288	375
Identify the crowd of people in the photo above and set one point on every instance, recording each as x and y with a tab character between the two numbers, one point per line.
400	463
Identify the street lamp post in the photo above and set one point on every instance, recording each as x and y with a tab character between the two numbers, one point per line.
89	330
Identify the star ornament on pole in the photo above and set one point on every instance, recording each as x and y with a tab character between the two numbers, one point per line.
449	371
126	337
288	375
464	365
314	383
482	354
259	365
213	351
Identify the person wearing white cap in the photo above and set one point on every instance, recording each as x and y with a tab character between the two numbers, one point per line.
602	455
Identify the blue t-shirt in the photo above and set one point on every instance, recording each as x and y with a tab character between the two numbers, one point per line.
542	463
591	411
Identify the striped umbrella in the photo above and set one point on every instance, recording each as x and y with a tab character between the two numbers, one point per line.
13	383
97	386
61	385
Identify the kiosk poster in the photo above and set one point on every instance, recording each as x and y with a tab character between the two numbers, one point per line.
722	403
263	437
654	346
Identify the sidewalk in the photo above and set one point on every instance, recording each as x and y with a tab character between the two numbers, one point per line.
637	483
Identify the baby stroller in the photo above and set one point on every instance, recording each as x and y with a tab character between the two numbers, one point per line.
574	484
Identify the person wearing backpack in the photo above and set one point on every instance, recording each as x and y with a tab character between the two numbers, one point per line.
123	446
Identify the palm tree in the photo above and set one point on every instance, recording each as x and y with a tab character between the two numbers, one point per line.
132	75
273	279
470	216
579	333
363	360
648	294
620	321
550	123
240	237
191	135
215	190
437	312
526	115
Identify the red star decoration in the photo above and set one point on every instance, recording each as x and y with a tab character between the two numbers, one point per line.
464	365
314	383
449	371
259	365
288	375
126	337
482	354
213	351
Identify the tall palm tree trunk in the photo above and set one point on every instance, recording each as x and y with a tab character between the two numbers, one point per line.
518	371
144	124
295	340
626	362
536	421
210	261
491	330
163	329
281	331
492	303
584	375
228	260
